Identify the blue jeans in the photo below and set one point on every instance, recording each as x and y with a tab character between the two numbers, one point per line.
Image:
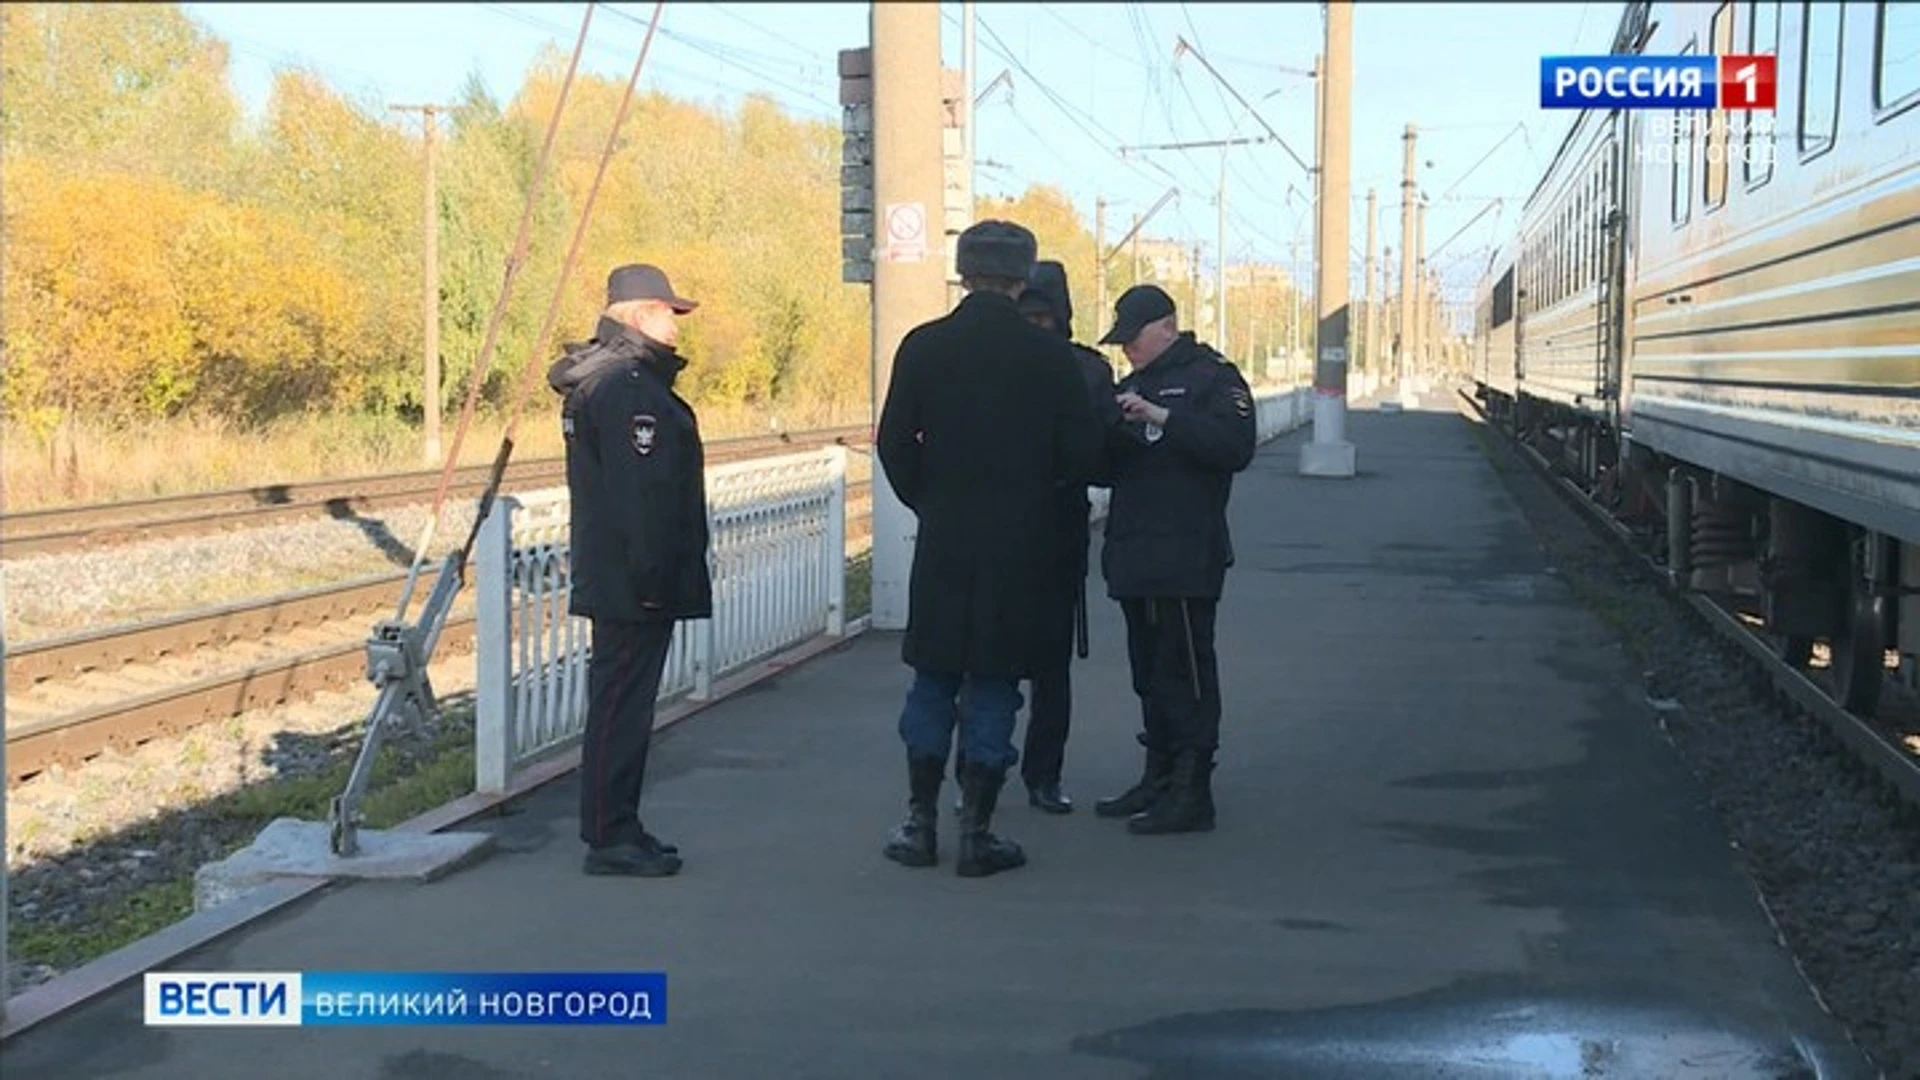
986	732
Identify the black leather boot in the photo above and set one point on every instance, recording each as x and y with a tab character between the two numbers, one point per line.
981	852
914	842
1187	803
1136	799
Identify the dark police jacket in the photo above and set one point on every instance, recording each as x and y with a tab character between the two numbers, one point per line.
986	419
637	475
1166	530
1051	285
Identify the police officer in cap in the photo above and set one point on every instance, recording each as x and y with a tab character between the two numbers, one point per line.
638	539
986	419
1190	427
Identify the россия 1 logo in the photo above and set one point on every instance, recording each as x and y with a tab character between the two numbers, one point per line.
1657	82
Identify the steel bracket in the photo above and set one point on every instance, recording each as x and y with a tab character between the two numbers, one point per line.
398	653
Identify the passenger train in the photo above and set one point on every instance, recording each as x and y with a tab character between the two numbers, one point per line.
1711	319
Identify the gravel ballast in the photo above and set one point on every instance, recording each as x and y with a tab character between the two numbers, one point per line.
1835	856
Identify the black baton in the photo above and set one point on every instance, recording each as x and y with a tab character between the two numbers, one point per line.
1193	662
1080	619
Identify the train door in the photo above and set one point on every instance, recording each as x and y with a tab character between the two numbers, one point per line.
1612	264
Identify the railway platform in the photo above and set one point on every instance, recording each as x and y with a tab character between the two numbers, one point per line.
1452	843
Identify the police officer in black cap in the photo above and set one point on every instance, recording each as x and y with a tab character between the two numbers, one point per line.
986	419
1190	427
638	541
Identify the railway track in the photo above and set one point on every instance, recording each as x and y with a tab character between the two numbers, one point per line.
74	697
70	528
1869	740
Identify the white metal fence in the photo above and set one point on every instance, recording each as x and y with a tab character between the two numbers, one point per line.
779	579
1277	413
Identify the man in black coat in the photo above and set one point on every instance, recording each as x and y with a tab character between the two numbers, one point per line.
1048	304
638	541
986	418
1166	549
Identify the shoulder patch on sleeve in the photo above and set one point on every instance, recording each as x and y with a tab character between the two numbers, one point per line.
645	430
1242	402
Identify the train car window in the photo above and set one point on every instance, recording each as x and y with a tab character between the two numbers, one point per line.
1550	261
1598	218
1757	129
1819	76
1896	81
1559	288
1502	300
1683	157
1715	169
1584	218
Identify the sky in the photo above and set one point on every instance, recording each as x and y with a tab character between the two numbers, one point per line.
1088	84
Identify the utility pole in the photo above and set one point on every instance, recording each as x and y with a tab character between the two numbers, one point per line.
1293	304
969	147
1373	308
1135	245
1406	260
1099	261
1319	196
1420	296
1220	267
1329	453
909	278
430	303
1193	283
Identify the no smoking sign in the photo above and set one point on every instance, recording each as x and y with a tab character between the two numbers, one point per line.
906	232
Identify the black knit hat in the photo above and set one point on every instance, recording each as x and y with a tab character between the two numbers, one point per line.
996	249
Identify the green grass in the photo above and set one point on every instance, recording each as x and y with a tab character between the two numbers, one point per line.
400	789
860	585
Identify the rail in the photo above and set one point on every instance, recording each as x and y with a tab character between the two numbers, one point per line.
779	578
66	528
1872	746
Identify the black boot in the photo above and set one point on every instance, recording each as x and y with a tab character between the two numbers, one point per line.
981	852
1136	799
914	842
1186	805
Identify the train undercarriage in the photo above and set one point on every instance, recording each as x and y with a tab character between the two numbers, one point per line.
1830	594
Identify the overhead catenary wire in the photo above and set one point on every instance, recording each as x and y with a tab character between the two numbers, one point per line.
516	259
579	237
560	288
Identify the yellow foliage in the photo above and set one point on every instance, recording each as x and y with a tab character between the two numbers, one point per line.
161	258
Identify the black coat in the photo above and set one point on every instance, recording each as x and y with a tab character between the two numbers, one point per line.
1166	530
637	475
1049	286
986	418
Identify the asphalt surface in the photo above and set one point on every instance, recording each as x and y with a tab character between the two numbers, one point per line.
1452	843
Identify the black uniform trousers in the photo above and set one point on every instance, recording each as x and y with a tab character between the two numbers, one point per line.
1050	692
623	682
1175	671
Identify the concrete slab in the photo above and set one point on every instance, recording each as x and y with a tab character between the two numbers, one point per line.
290	849
1335	459
1451	844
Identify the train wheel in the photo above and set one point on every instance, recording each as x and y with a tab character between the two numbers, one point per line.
1860	651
